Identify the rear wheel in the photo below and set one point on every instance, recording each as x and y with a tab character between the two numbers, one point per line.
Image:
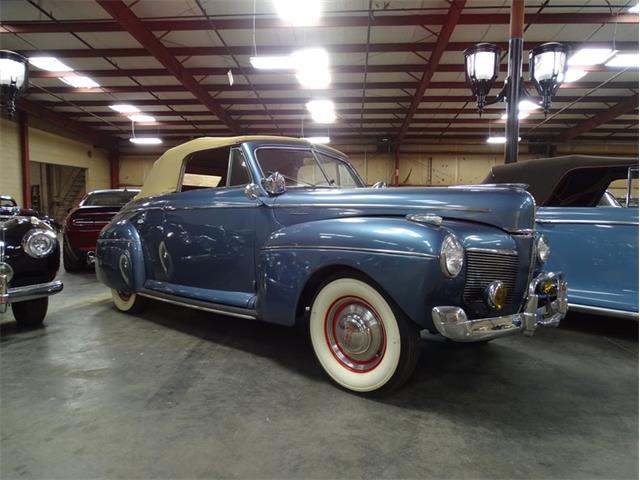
363	342
127	302
30	313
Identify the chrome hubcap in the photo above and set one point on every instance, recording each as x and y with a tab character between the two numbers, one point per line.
355	334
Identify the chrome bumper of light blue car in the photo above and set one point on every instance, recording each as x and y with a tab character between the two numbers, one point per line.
539	310
28	292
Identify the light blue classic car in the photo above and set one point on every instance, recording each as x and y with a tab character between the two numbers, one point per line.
279	230
594	236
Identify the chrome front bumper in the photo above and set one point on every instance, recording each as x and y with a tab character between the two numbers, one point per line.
539	309
28	292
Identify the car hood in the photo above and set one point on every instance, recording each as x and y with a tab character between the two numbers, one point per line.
510	208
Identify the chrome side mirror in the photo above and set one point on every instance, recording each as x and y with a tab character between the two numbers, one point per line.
252	191
274	184
379	184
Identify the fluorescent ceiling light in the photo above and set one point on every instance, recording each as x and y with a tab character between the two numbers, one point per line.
590	56
78	81
574	74
299	13
624	60
499	139
142	118
635	9
527	106
318	139
124	108
322	111
312	67
145	140
51	64
277	62
521	115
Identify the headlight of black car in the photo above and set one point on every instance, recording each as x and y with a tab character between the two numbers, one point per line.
39	243
451	256
543	250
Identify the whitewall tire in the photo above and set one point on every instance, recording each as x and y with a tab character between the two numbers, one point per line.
361	341
127	302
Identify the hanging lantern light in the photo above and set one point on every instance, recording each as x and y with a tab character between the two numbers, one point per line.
547	69
482	65
14	75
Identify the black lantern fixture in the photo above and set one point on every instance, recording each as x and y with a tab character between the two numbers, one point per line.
547	69
482	65
14	77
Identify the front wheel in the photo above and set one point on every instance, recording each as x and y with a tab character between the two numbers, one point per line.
127	302
30	313
363	342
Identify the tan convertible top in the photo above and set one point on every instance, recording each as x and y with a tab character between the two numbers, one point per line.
165	174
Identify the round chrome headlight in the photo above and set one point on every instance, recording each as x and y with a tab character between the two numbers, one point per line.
38	243
451	256
543	250
6	271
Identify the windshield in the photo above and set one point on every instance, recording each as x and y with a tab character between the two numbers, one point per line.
301	168
109	199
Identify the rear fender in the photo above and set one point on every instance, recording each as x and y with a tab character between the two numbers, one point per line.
119	257
398	256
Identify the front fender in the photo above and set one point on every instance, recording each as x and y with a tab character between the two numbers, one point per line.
119	257
400	256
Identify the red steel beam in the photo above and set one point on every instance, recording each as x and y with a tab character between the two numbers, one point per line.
64	123
302	100
23	127
176	24
343	111
453	18
347	121
269	87
132	24
605	117
339	69
285	49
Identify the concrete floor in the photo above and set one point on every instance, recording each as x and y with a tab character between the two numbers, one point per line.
175	393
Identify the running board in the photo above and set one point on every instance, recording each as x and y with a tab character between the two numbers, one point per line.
609	312
199	304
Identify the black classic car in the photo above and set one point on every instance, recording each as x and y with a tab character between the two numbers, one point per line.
29	260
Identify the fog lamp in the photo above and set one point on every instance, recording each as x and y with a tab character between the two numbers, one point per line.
6	271
496	295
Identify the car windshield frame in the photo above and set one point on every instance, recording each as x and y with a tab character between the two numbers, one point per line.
314	152
86	202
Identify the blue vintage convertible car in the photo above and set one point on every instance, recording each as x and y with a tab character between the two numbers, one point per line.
594	237
279	230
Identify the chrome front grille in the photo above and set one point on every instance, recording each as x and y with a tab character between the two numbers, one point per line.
485	267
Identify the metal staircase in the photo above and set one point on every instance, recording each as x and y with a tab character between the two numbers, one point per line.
71	192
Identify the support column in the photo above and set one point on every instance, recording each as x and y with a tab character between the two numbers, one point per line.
114	167
396	168
23	127
512	130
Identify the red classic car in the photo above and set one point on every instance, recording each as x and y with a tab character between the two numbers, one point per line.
84	222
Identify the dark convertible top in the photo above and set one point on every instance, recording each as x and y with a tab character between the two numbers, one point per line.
573	180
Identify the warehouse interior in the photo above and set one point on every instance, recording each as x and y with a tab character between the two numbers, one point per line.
179	393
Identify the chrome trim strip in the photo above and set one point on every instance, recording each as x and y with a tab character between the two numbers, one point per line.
171	208
199	304
591	222
350	249
369	205
492	250
603	311
523	232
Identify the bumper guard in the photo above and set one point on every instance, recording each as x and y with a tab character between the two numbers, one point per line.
539	310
